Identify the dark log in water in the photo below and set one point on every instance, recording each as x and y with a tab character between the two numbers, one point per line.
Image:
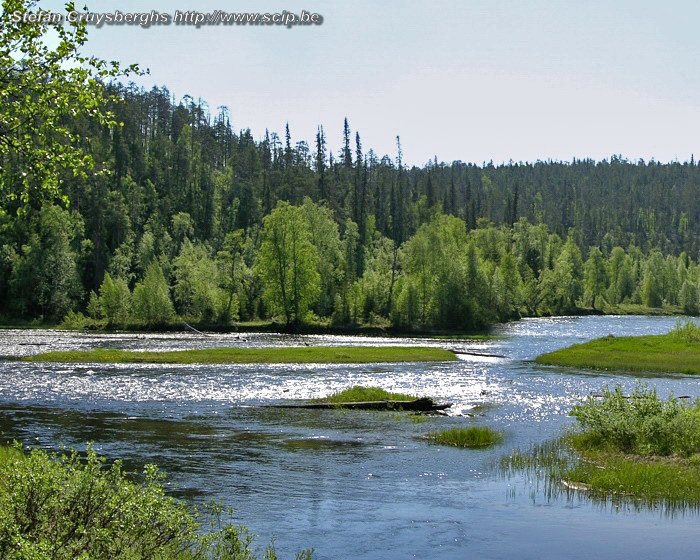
483	354
418	405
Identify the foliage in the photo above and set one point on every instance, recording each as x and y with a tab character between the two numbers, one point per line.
45	277
115	300
151	299
44	80
61	507
686	331
640	423
287	263
245	230
472	437
197	290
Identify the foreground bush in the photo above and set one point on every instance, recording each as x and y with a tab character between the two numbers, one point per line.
62	507
641	424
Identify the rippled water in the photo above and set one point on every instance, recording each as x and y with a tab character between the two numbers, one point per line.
349	484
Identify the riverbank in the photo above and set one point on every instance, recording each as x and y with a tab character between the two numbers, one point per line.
638	444
673	352
674	480
321	327
286	355
635	445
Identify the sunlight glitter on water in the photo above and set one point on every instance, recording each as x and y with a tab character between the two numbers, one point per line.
318	478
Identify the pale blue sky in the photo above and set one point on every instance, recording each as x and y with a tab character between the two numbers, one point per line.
473	80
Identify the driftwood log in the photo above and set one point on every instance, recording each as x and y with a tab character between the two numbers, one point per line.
481	354
418	405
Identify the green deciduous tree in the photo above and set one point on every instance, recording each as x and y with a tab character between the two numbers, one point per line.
115	300
45	280
197	292
288	263
231	259
45	85
151	298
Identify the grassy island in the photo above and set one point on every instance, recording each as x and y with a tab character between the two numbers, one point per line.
474	437
625	446
675	352
287	355
364	394
638	445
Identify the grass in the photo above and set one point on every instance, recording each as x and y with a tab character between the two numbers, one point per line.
638	446
475	437
675	352
364	394
650	478
291	355
639	309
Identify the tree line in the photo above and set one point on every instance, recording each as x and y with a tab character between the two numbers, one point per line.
181	216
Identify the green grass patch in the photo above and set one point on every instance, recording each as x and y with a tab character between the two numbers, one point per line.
639	309
675	352
626	446
653	479
364	394
474	437
295	355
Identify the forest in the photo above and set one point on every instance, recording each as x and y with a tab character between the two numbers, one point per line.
183	218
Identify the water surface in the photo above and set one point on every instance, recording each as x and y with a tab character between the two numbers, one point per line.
349	484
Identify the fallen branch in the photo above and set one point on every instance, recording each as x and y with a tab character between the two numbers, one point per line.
419	405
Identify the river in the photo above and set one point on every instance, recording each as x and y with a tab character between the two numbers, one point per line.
350	484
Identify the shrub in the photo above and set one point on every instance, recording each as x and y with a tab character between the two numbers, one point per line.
75	321
60	507
642	423
686	331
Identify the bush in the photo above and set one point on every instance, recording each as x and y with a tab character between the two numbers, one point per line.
75	321
59	507
641	424
686	331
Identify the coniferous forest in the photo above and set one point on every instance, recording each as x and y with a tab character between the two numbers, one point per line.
183	217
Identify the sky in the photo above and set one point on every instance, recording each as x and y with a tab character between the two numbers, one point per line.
469	80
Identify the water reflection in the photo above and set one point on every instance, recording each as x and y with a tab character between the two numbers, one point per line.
543	470
350	484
